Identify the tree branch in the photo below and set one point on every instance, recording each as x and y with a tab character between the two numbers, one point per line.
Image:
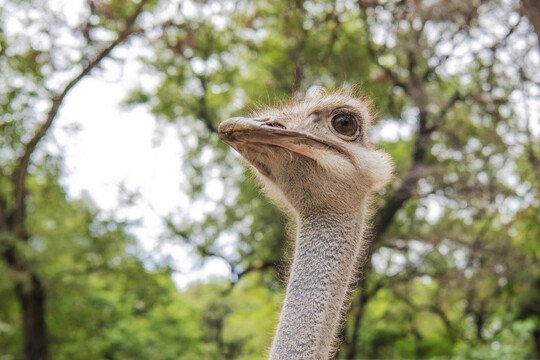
531	9
255	266
451	330
3	215
416	171
24	161
202	111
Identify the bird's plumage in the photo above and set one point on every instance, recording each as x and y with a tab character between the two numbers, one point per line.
314	157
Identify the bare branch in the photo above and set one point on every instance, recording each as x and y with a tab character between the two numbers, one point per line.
334	35
202	110
255	266
452	331
415	173
24	161
374	53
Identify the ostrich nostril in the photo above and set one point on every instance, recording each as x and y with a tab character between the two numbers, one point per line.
274	123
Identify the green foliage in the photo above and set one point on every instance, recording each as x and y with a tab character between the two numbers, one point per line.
235	323
456	228
102	302
454	274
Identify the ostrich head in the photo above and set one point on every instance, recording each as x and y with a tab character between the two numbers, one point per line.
314	152
313	157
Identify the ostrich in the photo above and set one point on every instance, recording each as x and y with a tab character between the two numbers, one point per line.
314	159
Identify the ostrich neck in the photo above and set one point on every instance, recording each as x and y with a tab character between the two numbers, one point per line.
327	248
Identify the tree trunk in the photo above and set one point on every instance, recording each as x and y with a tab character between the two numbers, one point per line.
350	352
365	295
29	289
31	295
531	9
536	343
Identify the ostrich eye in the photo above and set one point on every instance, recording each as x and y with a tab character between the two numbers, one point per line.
345	124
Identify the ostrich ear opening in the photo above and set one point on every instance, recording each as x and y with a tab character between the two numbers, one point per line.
382	170
335	164
376	168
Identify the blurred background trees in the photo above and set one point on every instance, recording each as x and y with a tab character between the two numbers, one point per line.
456	241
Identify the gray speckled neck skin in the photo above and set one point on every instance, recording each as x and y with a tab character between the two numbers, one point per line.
328	245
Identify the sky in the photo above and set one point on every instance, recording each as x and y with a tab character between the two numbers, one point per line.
115	148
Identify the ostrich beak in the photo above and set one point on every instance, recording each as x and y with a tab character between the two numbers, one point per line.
241	131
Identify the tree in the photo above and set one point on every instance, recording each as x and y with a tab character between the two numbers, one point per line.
35	65
441	74
101	300
455	241
460	158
